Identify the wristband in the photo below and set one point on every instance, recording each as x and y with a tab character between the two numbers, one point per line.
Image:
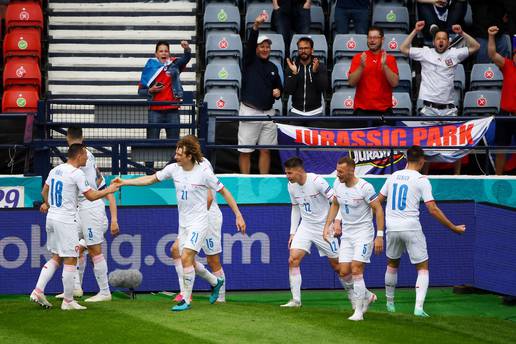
379	234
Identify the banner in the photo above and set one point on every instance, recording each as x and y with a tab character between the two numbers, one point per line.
458	134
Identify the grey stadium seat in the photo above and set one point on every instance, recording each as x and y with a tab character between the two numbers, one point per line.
277	46
392	42
347	46
222	74
481	102
221	17
391	17
342	102
222	102
405	74
340	76
459	81
485	75
401	104
223	45
253	10
316	19
320	46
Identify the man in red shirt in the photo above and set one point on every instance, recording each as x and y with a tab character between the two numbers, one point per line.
375	74
505	131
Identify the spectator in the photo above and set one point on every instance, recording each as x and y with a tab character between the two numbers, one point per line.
356	10
261	85
486	14
291	16
505	131
438	71
440	14
160	82
375	74
306	81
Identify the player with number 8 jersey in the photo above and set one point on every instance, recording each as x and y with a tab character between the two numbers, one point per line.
403	191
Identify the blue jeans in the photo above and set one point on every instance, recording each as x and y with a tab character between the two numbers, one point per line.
163	116
501	48
344	15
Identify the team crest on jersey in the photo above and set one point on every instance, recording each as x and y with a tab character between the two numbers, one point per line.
379	158
449	62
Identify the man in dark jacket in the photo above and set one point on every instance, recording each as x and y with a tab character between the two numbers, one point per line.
306	81
260	87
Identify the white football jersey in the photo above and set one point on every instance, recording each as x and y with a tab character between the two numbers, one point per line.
214	208
357	215
404	190
65	182
191	191
313	199
90	171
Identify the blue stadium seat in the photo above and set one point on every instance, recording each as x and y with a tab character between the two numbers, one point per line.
401	104
391	17
342	102
392	42
222	102
316	19
340	76
485	76
277	47
405	74
347	46
320	46
253	10
223	45
222	74
481	102
221	17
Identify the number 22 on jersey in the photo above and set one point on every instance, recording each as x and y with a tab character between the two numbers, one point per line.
399	202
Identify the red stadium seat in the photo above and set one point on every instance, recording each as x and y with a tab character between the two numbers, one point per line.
22	42
24	14
22	71
20	99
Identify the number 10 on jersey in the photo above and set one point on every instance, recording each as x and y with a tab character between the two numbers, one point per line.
401	201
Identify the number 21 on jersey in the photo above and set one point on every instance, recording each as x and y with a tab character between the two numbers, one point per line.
399	202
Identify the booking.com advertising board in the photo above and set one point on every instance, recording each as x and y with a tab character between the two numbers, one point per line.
258	260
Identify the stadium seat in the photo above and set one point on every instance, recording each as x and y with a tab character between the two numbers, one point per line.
223	45
253	10
24	14
405	74
222	102
20	99
340	76
222	74
221	17
278	107
347	46
391	17
391	44
277	47
342	102
316	19
320	46
22	71
401	104
459	81
484	76
481	102
23	42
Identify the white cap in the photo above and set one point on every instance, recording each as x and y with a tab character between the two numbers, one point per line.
263	38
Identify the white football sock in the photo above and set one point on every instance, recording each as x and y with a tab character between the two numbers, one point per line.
179	271
421	287
294	276
203	273
47	271
222	291
100	270
188	282
79	272
391	279
68	281
347	283
359	289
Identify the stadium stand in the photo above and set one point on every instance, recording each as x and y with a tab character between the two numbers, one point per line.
221	17
24	14
485	76
342	102
222	75
346	46
484	102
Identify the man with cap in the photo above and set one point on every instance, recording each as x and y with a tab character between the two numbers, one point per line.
261	85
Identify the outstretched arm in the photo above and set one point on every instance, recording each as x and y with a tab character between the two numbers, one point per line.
405	46
240	223
113	210
473	45
140	181
439	215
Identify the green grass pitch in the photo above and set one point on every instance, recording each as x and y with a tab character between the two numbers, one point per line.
255	317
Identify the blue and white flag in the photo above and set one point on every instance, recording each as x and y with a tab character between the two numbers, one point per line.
151	70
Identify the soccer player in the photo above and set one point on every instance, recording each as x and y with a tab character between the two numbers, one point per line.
212	247
310	195
403	191
192	182
93	224
357	201
61	196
